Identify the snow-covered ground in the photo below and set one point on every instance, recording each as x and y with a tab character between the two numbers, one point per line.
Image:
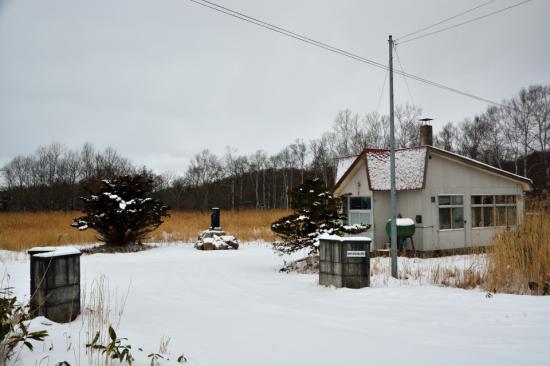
235	308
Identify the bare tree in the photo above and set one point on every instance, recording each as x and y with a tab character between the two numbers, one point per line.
473	134
286	164
257	166
322	160
540	96
204	169
232	169
376	130
408	125
87	161
495	148
275	163
299	151
521	111
347	133
447	138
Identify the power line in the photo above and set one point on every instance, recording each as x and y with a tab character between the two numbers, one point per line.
404	78
221	9
465	22
381	93
446	20
285	32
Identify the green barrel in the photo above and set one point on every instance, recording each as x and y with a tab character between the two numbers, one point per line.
402	230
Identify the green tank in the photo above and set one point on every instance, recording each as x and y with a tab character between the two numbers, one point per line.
405	227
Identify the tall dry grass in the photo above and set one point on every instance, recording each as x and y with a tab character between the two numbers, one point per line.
24	230
246	225
519	259
21	231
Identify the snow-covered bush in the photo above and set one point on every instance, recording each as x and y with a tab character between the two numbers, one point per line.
316	212
122	211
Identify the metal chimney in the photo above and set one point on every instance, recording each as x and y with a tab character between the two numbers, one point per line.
426	132
215	219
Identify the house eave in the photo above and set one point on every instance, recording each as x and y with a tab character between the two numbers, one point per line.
526	183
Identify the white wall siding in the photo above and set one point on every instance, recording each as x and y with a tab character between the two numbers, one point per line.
446	176
357	184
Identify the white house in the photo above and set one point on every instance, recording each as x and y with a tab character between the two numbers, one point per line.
455	202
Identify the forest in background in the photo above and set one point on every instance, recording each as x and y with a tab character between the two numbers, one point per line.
514	136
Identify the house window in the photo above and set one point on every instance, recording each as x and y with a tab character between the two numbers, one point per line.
483	211
494	210
359	203
359	210
451	212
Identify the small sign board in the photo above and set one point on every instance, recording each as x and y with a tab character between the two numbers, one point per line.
356	253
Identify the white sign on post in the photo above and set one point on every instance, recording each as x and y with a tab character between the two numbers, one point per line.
356	253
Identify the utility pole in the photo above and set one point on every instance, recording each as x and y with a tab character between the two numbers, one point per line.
393	194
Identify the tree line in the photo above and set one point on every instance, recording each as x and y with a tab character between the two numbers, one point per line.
514	136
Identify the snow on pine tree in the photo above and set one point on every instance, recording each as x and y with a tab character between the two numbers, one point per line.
122	211
316	212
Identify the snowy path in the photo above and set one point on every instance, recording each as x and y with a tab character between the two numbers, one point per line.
234	308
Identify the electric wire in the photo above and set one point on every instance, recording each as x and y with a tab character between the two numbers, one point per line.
404	78
445	20
286	32
465	22
213	6
382	92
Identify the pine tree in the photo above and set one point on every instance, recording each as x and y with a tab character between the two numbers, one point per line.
316	212
122	211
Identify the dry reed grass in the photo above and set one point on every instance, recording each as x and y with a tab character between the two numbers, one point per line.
103	307
246	225
23	230
519	259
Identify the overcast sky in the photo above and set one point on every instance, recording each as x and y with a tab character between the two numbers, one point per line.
161	80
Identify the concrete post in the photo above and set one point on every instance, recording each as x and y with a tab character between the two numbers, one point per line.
55	283
344	261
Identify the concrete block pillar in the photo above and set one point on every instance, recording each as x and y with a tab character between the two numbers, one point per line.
55	283
344	261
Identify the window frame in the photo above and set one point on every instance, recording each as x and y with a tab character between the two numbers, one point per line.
494	205
359	211
450	206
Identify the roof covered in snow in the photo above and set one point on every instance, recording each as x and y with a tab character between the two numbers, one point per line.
410	168
410	165
342	166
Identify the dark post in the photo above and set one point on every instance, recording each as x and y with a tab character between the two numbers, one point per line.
215	219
